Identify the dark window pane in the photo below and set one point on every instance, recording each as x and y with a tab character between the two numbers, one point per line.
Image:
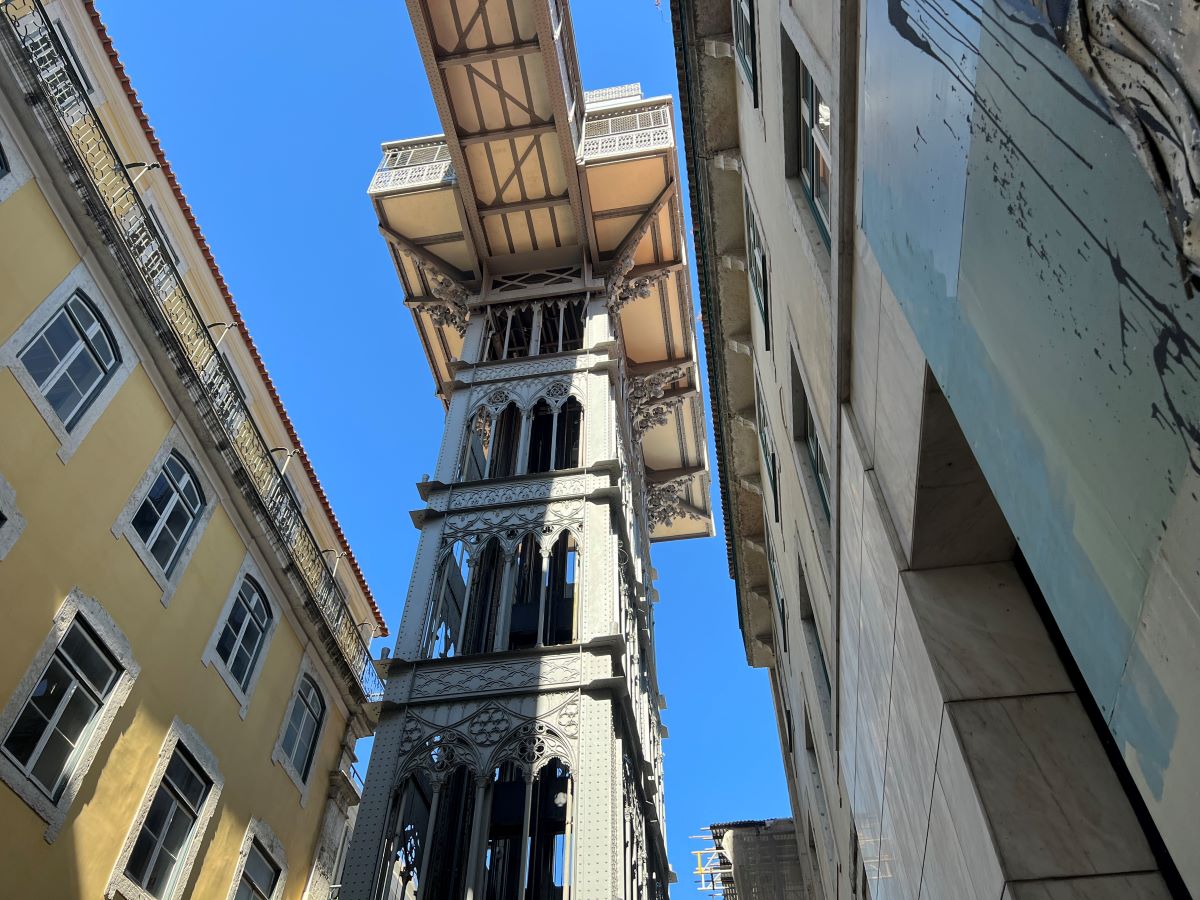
164	549
64	397
25	734
226	644
88	659
179	520
83	315
104	350
186	780
52	688
40	359
240	666
160	812
52	761
139	859
260	871
61	335
85	372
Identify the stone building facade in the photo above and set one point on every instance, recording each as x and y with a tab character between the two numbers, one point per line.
948	317
185	670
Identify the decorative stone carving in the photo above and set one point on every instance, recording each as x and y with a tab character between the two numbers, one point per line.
664	502
638	288
568	718
648	405
496	676
521	492
410	734
440	754
510	523
620	291
452	311
524	368
553	389
489	725
531	746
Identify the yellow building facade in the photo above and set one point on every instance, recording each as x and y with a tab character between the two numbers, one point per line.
186	667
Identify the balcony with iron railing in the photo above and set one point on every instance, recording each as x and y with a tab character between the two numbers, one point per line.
407	165
112	200
637	127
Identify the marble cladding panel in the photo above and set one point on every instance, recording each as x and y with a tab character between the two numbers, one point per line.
1053	803
916	713
849	626
955	788
878	587
885	880
1146	886
899	401
982	633
867	799
864	352
948	873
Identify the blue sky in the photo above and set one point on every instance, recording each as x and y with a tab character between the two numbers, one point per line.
272	115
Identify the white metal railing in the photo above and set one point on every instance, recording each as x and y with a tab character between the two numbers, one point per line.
413	165
113	201
615	132
619	92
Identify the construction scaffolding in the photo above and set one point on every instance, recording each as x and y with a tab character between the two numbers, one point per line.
749	860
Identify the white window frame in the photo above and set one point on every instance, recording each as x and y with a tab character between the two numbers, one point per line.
123	527
19	172
758	265
745	31
278	755
14	522
105	630
79	279
211	658
260	831
119	884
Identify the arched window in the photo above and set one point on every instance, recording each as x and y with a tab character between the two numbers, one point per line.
508	332
478	446
562	326
400	875
526	596
558	619
244	633
442	638
528	831
492	444
566	434
542	608
484	592
72	358
554	436
304	726
169	513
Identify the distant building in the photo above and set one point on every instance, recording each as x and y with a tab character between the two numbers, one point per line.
948	279
752	860
184	663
